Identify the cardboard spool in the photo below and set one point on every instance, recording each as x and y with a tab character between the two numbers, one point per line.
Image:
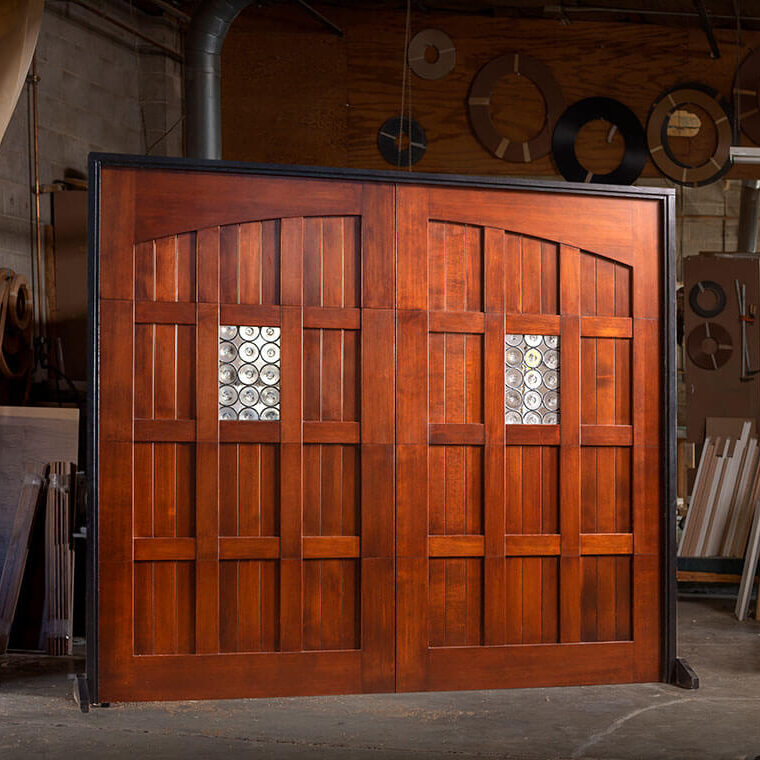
389	134
709	346
657	134
479	103
444	47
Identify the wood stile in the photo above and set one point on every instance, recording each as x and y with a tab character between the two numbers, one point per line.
390	532
739	502
716	528
15	560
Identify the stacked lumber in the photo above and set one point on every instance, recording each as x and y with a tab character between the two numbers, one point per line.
59	560
15	557
725	497
750	568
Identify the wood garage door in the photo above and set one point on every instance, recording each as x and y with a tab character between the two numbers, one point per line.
527	554
276	353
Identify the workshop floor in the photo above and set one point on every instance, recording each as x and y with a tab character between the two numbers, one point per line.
38	717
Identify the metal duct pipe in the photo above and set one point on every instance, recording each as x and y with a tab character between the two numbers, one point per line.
749	210
203	49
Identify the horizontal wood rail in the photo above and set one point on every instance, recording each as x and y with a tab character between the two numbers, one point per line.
332	318
249	547
165	431
245	431
531	435
529	545
606	543
331	432
532	324
165	313
457	322
606	435
331	547
456	546
537	545
246	547
249	314
606	327
164	549
457	435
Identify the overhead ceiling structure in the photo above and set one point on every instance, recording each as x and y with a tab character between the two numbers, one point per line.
721	14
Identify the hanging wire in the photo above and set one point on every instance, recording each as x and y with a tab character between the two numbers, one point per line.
409	120
405	72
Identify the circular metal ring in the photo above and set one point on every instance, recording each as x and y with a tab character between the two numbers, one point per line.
581	113
746	83
657	135
447	54
716	290
480	107
387	141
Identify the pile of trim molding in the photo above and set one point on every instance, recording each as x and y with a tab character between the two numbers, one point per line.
723	519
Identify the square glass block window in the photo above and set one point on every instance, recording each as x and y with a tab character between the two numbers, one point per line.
249	373
531	379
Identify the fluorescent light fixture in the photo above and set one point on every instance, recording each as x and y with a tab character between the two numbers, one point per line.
742	155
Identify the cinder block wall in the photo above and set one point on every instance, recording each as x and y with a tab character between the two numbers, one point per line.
100	89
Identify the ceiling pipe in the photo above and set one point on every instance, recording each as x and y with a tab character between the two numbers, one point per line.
749	211
203	49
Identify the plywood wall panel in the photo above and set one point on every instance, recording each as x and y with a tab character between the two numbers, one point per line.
306	96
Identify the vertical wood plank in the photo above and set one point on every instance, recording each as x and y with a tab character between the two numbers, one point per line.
377	246
250	263
117	238
207	447
116	624
411	232
570	462
291	436
494	624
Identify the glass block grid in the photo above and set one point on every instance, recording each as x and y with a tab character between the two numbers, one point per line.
249	373
531	379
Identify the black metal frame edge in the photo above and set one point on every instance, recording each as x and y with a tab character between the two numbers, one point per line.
666	198
670	673
376	175
93	279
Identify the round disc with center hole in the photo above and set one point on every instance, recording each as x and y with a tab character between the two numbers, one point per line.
444	47
388	138
709	346
479	103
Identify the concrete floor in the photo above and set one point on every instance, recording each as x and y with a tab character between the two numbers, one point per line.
38	717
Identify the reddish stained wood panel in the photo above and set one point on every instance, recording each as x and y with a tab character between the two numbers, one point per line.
281	548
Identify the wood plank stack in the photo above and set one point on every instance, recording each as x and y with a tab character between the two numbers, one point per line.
59	555
15	558
724	498
49	499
